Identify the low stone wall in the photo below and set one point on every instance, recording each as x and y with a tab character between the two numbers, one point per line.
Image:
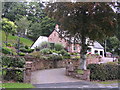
33	64
70	71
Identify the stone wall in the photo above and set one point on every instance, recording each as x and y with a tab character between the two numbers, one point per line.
33	64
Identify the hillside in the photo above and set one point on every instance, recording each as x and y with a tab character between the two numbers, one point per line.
13	39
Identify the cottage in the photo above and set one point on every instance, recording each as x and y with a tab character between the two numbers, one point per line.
55	37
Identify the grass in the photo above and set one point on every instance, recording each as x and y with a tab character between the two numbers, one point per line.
13	39
107	82
80	71
16	85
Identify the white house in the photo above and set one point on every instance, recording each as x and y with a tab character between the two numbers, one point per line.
96	48
39	41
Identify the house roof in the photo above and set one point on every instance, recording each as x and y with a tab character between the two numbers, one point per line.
97	45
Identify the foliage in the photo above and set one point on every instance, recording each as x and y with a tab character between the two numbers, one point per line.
22	26
21	54
118	60
13	61
62	52
6	50
13	40
45	51
44	45
75	58
58	47
113	43
8	27
103	72
84	20
17	85
14	10
55	57
9	63
80	71
9	45
44	28
26	49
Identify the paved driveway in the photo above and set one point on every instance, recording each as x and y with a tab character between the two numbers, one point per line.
56	78
51	76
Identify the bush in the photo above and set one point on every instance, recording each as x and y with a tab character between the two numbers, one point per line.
9	45
26	50
103	72
58	47
44	45
6	50
13	62
55	57
45	51
118	60
21	54
63	52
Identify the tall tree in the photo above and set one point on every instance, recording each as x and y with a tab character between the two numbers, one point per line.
14	10
8	27
23	25
95	21
44	28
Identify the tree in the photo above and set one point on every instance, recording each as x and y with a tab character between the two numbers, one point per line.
14	10
44	28
23	25
8	27
95	21
113	43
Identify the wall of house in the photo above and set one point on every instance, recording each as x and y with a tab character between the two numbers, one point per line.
54	38
73	48
96	49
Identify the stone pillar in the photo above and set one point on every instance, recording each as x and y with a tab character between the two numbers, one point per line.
27	72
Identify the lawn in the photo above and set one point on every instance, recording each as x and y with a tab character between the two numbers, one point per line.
107	82
16	85
13	39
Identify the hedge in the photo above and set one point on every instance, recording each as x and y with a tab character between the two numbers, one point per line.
13	67
104	72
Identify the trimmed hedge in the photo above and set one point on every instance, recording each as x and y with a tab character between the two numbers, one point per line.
104	72
11	65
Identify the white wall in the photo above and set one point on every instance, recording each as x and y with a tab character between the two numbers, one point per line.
93	50
39	41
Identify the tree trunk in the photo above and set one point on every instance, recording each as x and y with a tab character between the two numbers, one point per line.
6	39
83	54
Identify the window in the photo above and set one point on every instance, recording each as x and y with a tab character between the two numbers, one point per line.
101	53
75	47
96	52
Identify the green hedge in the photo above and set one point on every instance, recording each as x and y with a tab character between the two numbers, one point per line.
9	64
6	50
103	72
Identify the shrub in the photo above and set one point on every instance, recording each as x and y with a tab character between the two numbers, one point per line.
118	60
103	72
63	52
6	50
46	51
13	62
21	54
44	45
55	57
79	71
35	54
26	50
9	45
58	47
26	47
